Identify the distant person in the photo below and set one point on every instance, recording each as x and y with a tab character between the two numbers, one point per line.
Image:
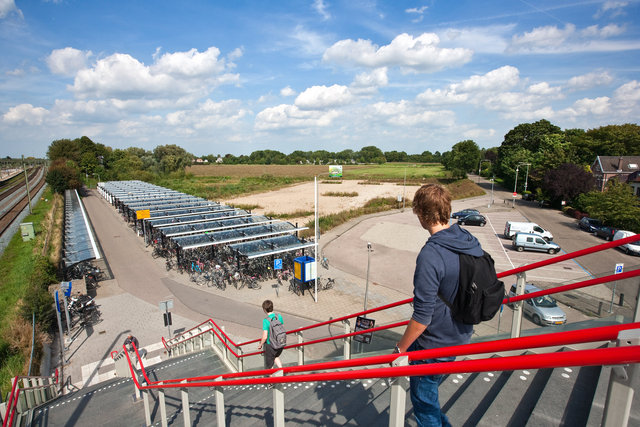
130	341
271	354
437	271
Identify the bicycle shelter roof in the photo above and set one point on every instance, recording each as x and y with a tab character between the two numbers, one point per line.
79	241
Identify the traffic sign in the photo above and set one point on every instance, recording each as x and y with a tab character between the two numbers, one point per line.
515	194
277	264
619	268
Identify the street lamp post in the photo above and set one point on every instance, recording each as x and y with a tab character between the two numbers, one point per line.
526	178
514	187
366	289
492	181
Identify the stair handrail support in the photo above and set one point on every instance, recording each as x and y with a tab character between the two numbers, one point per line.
617	408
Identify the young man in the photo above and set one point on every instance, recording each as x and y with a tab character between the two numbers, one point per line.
131	340
270	354
437	270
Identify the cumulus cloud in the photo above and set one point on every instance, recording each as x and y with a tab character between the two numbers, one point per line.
173	74
67	61
26	114
479	133
405	113
290	116
543	89
7	7
421	53
441	97
489	39
602	32
501	78
308	42
287	91
323	97
589	80
627	96
209	114
368	82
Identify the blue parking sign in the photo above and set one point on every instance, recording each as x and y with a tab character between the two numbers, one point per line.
619	268
277	264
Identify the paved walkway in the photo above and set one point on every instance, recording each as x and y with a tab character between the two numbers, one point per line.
129	302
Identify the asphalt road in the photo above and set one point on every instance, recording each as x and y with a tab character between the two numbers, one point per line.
570	238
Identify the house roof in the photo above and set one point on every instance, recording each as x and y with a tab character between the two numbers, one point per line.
609	164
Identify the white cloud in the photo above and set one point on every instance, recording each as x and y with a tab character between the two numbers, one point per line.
172	75
368	83
543	89
309	42
16	72
489	39
27	114
7	7
321	8
209	114
545	38
405	113
67	61
603	32
588	107
479	133
611	5
589	80
287	91
290	116
418	11
627	96
323	97
499	79
441	97
189	64
419	54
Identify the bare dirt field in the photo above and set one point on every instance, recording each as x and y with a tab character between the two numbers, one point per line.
300	197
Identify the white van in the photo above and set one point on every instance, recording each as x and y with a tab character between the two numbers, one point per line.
513	227
533	242
629	248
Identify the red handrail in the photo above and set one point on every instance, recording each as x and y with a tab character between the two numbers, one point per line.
570	255
12	403
591	357
599	334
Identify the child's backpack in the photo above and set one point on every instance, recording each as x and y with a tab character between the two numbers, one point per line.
480	293
277	333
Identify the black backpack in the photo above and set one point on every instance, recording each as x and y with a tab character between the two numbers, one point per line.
277	333
480	293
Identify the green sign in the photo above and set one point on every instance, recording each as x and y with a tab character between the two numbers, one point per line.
335	171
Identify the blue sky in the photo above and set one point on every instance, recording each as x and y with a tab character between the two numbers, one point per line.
239	76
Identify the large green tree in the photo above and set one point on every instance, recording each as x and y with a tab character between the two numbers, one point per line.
464	157
616	206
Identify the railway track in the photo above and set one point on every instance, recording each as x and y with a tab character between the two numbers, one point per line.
8	216
18	183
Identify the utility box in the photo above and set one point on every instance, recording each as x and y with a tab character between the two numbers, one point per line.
27	231
304	269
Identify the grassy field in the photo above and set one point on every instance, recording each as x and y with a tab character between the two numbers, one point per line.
219	182
16	267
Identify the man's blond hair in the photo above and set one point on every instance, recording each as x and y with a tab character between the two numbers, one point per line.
432	203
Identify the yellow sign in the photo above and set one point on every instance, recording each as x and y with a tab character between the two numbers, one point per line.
143	214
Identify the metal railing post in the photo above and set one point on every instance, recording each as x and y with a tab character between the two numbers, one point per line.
398	395
516	323
347	340
185	405
220	415
240	359
300	348
147	410
617	407
163	406
225	350
278	401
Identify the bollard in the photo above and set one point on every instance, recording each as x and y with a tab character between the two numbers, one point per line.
600	308
621	299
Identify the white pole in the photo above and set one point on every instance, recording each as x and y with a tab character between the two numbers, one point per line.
315	186
404	188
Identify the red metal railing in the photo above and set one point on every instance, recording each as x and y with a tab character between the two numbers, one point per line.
217	330
12	402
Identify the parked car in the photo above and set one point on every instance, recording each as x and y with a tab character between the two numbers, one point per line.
513	227
628	248
473	220
542	310
533	242
464	212
589	224
606	232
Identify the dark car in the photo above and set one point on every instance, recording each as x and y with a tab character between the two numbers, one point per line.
464	212
589	224
475	219
606	232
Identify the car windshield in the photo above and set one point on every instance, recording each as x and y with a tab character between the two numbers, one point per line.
545	301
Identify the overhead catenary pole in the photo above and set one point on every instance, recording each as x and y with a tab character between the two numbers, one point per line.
26	177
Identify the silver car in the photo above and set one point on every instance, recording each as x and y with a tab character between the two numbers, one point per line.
542	310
